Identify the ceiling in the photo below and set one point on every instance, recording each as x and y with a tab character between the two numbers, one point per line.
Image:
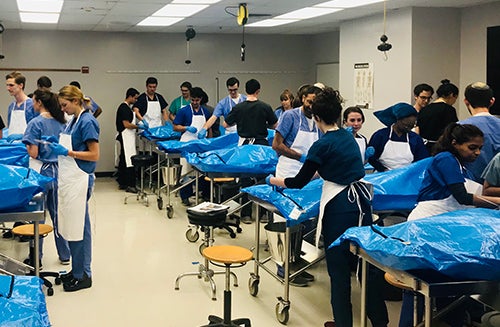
123	15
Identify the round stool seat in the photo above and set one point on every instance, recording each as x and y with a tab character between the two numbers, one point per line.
220	179
227	254
142	160
29	230
395	282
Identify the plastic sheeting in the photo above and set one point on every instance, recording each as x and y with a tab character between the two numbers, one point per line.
22	302
202	145
296	205
18	185
13	153
463	245
165	132
245	159
397	189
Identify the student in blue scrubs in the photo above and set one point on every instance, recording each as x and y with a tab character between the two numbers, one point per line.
344	203
49	123
78	151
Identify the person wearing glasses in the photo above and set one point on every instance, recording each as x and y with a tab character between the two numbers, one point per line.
224	107
423	95
396	145
183	100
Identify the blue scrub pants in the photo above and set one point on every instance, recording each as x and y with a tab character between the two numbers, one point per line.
339	215
51	170
81	251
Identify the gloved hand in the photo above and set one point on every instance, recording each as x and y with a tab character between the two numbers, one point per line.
268	179
145	123
58	149
369	152
303	157
141	125
349	129
202	133
50	138
191	129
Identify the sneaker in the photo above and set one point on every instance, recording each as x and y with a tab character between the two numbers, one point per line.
330	324
297	281
246	220
186	202
27	261
64	262
131	189
66	278
7	234
78	284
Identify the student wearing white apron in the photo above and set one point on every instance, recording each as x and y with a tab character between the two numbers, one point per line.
353	117
46	127
396	145
224	107
20	111
151	106
126	127
345	202
78	151
189	120
447	186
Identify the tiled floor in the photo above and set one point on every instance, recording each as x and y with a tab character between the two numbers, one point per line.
138	253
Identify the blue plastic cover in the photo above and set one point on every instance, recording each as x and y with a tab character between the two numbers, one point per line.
296	205
202	145
463	245
397	189
26	304
13	153
245	159
165	132
18	185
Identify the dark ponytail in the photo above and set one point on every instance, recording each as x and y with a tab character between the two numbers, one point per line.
461	133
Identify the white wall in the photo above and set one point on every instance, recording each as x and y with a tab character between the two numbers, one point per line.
278	62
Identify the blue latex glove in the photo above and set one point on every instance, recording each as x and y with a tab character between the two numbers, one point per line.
369	152
141	125
268	179
145	123
349	129
303	157
191	129
202	133
50	138
14	137
58	149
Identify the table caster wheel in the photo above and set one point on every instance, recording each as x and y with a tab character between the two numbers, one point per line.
253	286
160	203
50	291
192	235
58	281
170	212
282	313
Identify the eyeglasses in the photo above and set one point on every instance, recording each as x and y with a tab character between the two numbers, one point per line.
233	90
421	97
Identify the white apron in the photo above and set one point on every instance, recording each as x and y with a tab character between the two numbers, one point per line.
435	207
153	113
197	121
128	137
362	146
396	154
72	194
17	124
232	129
288	167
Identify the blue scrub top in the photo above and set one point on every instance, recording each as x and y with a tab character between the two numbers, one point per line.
224	107
42	126
86	129
184	116
288	125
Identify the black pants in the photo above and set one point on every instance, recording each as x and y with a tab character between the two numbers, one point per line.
126	175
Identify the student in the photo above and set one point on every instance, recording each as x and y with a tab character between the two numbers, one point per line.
151	107
78	151
336	158
422	94
447	186
354	118
183	100
49	123
491	176
286	100
20	111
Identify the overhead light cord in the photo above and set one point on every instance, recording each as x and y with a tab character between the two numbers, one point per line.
385	20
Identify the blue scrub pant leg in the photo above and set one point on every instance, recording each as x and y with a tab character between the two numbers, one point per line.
61	244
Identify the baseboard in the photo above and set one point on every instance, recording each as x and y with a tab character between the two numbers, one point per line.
105	174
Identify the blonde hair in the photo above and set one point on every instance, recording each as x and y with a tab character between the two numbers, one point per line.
70	93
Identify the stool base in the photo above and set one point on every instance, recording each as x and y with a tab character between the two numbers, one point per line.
215	321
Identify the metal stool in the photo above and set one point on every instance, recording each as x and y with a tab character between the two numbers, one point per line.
207	221
141	161
44	230
227	256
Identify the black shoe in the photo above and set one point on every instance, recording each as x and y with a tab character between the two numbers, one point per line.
78	284
24	239
28	262
7	234
122	187
131	189
307	276
297	281
66	278
186	202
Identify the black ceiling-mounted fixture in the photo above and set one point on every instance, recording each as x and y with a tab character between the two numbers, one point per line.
2	28
384	46
190	34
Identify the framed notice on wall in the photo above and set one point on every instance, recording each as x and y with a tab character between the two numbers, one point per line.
363	85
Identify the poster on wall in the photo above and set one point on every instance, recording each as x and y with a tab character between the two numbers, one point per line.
363	85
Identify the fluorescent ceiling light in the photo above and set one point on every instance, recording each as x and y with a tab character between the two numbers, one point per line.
346	3
53	6
196	1
44	18
309	12
272	22
171	10
159	21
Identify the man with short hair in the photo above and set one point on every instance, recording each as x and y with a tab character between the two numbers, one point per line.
423	95
182	100
478	99
151	107
224	107
20	111
126	127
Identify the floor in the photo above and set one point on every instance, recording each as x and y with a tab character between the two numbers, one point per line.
137	254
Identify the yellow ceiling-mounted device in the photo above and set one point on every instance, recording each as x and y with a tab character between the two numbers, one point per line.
242	17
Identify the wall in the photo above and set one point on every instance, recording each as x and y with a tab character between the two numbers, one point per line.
121	60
